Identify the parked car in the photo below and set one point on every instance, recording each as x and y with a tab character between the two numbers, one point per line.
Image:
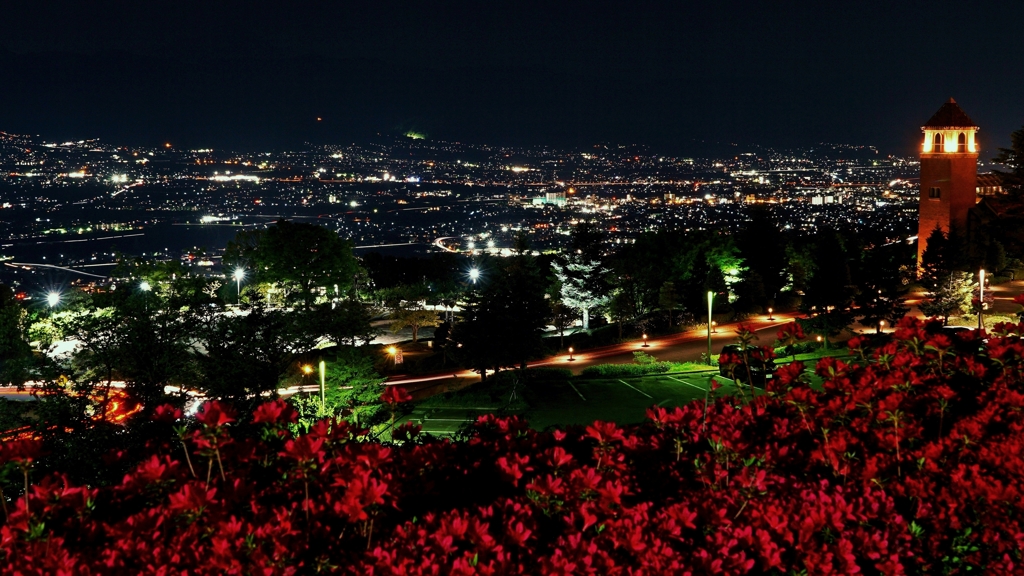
754	371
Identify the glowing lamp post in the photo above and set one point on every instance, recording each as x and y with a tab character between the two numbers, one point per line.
770	314
645	341
981	296
571	359
474	274
396	353
238	275
818	339
881	326
323	376
714	327
53	298
711	299
145	287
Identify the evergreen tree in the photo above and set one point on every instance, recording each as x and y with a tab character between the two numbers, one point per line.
503	324
881	283
582	284
763	247
829	293
949	289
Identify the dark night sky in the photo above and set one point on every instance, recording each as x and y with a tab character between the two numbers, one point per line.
256	75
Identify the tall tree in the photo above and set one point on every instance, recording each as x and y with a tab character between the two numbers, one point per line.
14	350
881	281
413	317
582	284
504	322
245	355
764	252
304	260
949	289
829	292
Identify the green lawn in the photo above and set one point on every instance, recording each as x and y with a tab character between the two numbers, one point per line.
564	401
623	400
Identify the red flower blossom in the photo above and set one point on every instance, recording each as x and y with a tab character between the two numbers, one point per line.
166	413
275	412
215	414
394	395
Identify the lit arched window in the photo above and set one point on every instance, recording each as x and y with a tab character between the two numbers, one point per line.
961	143
937	144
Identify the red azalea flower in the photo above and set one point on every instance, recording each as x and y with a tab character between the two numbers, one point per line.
166	413
395	395
215	414
277	411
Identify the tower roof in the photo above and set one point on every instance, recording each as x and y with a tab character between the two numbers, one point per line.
950	115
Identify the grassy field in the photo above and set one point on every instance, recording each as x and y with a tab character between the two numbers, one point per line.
549	399
564	402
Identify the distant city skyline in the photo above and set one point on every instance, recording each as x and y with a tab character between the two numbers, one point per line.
680	78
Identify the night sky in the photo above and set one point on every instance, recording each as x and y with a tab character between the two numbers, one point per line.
682	77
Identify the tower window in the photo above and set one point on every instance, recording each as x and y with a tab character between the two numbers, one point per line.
934	193
961	143
937	144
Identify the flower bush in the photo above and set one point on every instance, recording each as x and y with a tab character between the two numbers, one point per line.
907	462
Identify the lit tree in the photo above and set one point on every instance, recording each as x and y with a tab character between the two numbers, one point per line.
562	317
582	284
305	260
414	318
949	289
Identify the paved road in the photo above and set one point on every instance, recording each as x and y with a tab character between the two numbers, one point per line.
683	347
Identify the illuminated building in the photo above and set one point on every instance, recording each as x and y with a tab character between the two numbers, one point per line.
949	173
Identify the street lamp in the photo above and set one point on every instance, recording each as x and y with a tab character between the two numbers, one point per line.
571	359
144	286
881	326
714	327
770	314
239	274
711	298
818	339
53	298
981	296
645	340
474	273
323	375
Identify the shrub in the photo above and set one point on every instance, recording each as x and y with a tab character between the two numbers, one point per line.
908	462
620	370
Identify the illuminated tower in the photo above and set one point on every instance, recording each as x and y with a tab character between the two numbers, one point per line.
949	173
